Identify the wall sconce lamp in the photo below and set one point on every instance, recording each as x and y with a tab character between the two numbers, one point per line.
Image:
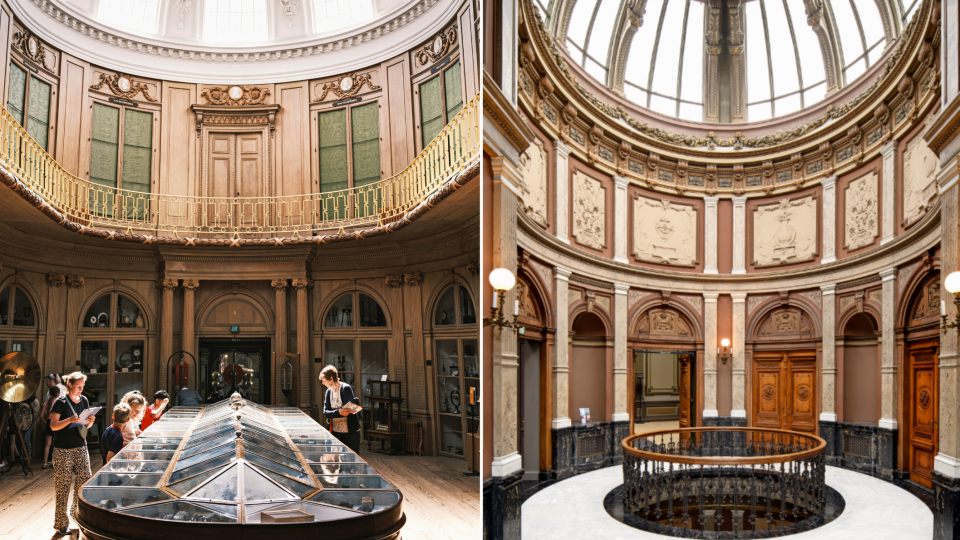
724	356
952	285
502	280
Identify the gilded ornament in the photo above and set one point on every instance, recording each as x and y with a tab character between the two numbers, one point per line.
31	47
906	86
347	86
854	134
235	95
124	86
438	47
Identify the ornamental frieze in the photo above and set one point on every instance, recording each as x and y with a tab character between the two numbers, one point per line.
346	86
861	216
785	232
30	46
124	86
235	95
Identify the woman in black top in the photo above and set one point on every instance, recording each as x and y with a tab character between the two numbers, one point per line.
344	423
71	461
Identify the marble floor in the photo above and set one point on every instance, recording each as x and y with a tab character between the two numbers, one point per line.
875	510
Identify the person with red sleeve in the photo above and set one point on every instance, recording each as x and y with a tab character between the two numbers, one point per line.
160	401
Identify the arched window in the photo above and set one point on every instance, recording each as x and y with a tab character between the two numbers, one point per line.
458	382
226	21
16	316
368	314
137	15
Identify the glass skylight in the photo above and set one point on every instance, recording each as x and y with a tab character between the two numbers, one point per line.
332	14
230	21
136	15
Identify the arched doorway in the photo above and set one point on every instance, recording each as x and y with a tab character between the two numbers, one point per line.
534	348
590	363
784	389
859	356
920	397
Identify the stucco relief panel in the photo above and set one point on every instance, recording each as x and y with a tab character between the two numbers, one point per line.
589	211
533	173
861	216
920	169
786	232
664	232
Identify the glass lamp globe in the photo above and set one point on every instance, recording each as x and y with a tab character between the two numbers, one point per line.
952	283
502	279
725	342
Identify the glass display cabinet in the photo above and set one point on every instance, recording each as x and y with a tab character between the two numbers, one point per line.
384	423
458	385
240	470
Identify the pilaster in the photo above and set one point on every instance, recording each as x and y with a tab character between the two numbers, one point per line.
302	287
620	373
888	363
828	404
561	155
829	220
280	308
889	195
561	352
187	334
738	347
166	287
739	235
710	350
620	219
947	461
710	235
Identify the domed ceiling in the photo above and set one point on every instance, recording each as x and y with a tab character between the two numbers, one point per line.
791	53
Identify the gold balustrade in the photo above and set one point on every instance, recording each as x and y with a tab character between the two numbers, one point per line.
94	205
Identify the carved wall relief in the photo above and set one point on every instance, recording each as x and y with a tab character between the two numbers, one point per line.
861	214
664	322
664	232
235	95
786	232
30	46
927	300
345	86
589	211
124	86
786	322
528	305
920	169
533	174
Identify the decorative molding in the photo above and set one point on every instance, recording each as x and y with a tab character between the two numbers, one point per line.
290	9
665	232
545	273
235	95
394	281
590	282
31	47
474	267
301	284
56	280
785	232
75	282
903	275
876	295
813	296
167	284
605	302
413	279
920	169
847	301
695	301
347	86
279	284
573	295
533	181
124	86
754	301
861	215
435	50
183	9
636	296
191	284
589	211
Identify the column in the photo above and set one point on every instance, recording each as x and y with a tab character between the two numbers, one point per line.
280	310
710	350
710	237
739	239
889	196
620	220
620	372
829	220
888	365
187	335
166	287
303	341
947	461
828	404
739	344
506	457
561	153
561	351
74	295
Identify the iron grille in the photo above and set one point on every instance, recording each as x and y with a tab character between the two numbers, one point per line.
591	445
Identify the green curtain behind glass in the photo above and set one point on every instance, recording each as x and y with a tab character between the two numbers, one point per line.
451	87
137	160
104	148
38	126
365	127
18	92
333	160
431	110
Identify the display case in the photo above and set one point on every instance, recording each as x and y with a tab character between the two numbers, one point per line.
458	386
236	469
384	417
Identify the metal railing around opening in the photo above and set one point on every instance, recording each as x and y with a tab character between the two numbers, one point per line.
701	482
94	205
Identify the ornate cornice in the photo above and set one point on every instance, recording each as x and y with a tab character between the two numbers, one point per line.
505	115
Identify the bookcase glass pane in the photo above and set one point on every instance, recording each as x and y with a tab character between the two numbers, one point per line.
4	306
447	358
468	315
21	346
470	366
339	354
98	315
128	313
451	436
446	314
23	314
129	356
449	395
373	357
93	357
340	314
370	314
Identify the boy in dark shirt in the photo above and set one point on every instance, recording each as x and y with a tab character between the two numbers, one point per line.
112	439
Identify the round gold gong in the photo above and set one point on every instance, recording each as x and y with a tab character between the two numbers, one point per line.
19	377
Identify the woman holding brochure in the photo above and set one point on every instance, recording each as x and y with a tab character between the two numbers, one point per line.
71	461
341	407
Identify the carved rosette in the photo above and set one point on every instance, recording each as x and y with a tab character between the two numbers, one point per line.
346	86
56	280
75	282
436	49
124	86
413	279
235	95
394	281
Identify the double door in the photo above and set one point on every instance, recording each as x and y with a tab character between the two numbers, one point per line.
785	391
234	176
922	410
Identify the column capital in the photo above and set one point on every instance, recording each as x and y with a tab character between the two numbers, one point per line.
56	280
620	288
191	284
949	174
828	289
505	172
562	148
279	284
710	297
302	284
739	298
888	149
621	182
711	201
167	284
561	273
739	201
75	282
829	182
888	274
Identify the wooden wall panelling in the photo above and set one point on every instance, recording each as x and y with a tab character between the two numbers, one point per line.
6	38
400	130
54	289
178	140
72	148
470	62
293	140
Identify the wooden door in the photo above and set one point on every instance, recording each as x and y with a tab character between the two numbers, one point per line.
235	171
785	390
922	424
220	178
684	408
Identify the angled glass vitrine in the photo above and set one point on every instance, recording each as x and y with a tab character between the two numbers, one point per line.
238	465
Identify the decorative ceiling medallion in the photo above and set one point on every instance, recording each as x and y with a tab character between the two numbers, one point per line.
124	86
438	47
235	95
29	45
346	86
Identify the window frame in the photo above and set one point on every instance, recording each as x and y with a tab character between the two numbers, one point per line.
343	331
154	140
54	82
9	334
434	69
317	109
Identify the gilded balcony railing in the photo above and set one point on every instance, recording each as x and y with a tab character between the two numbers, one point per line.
106	207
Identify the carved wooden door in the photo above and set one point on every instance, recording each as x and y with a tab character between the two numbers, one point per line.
234	175
785	390
801	398
684	391
921	398
768	390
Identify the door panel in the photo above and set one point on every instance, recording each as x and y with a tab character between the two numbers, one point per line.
684	391
785	390
767	391
923	410
802	403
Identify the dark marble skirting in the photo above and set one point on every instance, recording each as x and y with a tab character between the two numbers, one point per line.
860	447
946	511
501	507
583	448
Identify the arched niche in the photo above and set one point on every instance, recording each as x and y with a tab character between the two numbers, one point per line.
858	359
591	366
229	307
